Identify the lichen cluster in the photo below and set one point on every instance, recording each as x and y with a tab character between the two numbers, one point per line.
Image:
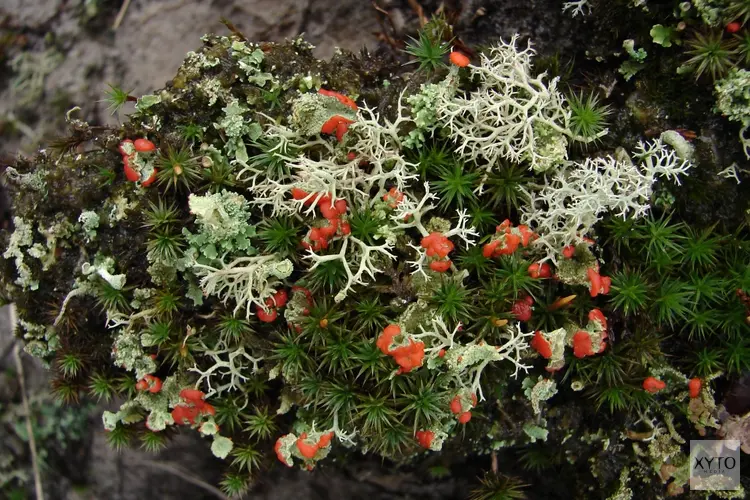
293	256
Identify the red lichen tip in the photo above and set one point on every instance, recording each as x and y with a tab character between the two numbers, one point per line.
653	385
459	59
694	387
733	27
541	345
144	145
424	438
582	344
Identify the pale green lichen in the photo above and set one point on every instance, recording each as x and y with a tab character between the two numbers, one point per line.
245	280
130	355
250	61
733	101
222	224
146	101
550	148
212	89
682	148
311	111
711	11
536	432
536	392
33	180
89	224
424	109
236	126
22	237
221	446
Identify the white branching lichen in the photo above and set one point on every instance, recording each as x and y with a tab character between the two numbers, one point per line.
466	362
229	368
574	199
245	280
358	258
510	115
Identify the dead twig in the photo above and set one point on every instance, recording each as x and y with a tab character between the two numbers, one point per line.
419	11
231	27
121	15
387	38
177	471
29	427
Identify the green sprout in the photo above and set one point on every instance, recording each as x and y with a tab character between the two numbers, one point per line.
428	51
119	438
246	457
588	119
70	365
153	442
116	97
177	168
101	387
498	487
711	54
455	185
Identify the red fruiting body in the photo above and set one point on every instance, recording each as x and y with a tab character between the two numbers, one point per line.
192	395
267	317
521	310
329	230
569	251
385	338
306	450
207	409
527	235
464	417
150	180
346	228
328	211
393	197
733	27
537	270
409	357
598	316
280	298
441	353
582	344
694	387
182	414
142	385
456	405
437	245
340	206
143	145
346	101
440	266
459	59
351	156
653	385
541	345
424	438
299	194
489	249
325	440
329	127
606	283
277	449
130	173
154	384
